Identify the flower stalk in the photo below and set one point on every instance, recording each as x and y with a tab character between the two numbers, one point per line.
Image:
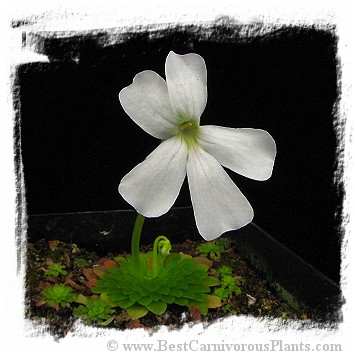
136	237
161	249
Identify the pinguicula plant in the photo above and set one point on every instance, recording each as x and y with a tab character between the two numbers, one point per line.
170	111
228	285
214	250
58	295
94	310
56	269
150	281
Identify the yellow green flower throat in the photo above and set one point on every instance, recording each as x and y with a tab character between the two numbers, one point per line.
188	131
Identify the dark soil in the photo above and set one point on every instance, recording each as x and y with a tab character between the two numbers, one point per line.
256	299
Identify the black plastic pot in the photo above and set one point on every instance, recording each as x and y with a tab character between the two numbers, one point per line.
298	282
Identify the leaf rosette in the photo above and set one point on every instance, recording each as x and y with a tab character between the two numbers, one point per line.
58	295
180	280
95	311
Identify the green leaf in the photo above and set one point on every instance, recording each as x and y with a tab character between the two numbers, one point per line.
188	268
200	297
222	293
206	247
203	267
124	304
100	284
136	311
168	299
188	294
120	259
174	291
78	311
199	288
157	307
210	281
203	308
213	301
186	263
146	300
223	243
118	297
171	259
107	322
181	301
114	272
185	256
155	296
183	286
81	299
237	290
107	299
197	275
225	270
112	284
164	290
81	262
135	296
228	280
152	284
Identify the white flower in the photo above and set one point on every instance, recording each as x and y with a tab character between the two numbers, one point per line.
170	110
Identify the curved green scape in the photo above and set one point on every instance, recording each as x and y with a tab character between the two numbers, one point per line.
180	280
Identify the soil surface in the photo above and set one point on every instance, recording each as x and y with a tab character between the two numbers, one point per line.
256	297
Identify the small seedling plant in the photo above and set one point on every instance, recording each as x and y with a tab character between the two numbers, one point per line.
56	269
94	311
58	296
215	249
229	286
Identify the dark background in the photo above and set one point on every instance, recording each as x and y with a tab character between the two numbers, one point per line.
77	142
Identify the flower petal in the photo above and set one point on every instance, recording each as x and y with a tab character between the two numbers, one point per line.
186	76
248	152
218	204
153	185
147	102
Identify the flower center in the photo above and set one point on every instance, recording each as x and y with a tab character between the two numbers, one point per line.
185	125
188	131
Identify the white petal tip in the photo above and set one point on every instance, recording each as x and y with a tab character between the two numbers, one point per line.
209	237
